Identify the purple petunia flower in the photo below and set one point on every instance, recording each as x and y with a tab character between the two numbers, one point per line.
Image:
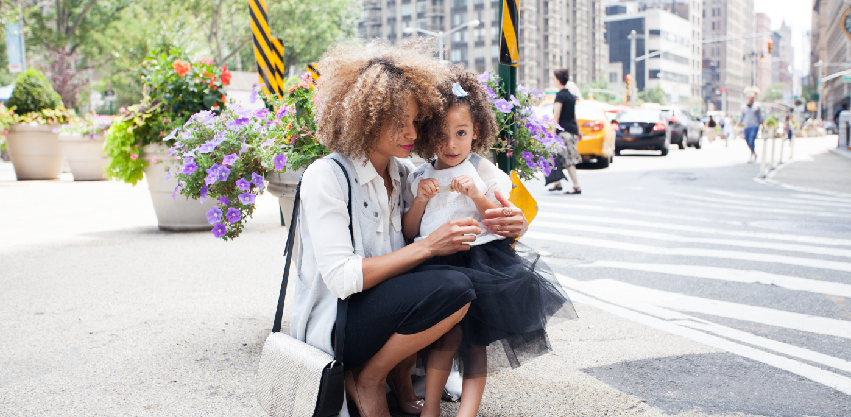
544	165
280	162
229	159
174	194
187	134
269	142
219	230
214	215
484	77
242	121
233	215
255	93
243	185
527	155
204	192
522	89
282	112
223	200
207	148
490	92
224	172
243	149
514	100
246	198
189	168
170	136
257	179
503	105
261	113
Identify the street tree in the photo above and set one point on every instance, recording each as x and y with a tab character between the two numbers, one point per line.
774	93
652	95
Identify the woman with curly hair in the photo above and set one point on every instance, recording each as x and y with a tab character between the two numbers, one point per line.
514	296
368	104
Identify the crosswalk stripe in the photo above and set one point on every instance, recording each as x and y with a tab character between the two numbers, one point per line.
827	378
698	229
725	274
805	200
817	250
703	201
634	294
708	253
610	209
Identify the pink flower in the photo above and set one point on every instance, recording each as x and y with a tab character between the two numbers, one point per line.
122	110
154	161
134	156
208	61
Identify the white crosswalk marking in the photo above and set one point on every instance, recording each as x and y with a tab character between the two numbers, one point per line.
618	276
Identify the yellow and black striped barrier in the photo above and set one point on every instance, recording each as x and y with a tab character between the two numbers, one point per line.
508	53
314	72
268	51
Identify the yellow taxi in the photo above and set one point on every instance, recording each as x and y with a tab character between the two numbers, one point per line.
597	146
598	136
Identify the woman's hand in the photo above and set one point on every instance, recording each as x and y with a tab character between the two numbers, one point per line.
507	221
453	236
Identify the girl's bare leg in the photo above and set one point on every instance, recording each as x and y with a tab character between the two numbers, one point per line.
369	383
473	386
438	367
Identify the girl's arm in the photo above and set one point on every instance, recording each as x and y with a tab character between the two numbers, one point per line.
412	219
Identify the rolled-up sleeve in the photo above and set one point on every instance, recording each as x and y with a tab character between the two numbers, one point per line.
326	220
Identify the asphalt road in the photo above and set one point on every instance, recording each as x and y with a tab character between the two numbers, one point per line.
700	292
691	245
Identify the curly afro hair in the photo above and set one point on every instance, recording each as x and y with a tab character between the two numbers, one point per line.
362	86
433	130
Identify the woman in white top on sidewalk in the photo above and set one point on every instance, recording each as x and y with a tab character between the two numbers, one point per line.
369	102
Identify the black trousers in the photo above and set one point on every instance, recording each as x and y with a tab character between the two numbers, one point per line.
407	304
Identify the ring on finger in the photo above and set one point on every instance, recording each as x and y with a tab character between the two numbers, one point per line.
496	227
506	212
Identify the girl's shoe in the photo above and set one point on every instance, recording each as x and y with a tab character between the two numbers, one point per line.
407	407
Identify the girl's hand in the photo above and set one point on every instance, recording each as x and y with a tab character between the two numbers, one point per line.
507	221
427	189
465	184
453	236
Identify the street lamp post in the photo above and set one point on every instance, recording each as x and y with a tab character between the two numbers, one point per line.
820	66
440	35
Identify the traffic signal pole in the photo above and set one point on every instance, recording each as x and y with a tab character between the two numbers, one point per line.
508	60
629	85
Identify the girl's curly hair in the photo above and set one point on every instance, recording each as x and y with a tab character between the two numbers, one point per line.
432	130
362	88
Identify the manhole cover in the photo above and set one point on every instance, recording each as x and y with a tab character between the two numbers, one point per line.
785	225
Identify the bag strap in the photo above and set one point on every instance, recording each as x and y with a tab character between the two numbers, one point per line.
342	305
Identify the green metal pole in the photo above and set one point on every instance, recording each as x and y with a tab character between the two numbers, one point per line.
508	81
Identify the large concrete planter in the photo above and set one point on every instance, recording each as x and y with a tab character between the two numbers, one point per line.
173	214
35	151
85	156
283	185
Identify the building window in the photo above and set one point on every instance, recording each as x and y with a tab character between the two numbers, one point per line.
406	10
459	3
459	18
613	77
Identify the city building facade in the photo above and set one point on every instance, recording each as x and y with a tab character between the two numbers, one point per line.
677	70
731	63
830	44
783	58
764	76
552	34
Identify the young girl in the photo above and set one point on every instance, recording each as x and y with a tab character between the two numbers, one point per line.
515	296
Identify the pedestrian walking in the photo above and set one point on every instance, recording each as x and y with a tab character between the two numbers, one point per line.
564	113
751	118
710	129
727	128
515	296
789	127
371	99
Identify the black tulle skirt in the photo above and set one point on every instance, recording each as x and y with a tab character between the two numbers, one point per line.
517	294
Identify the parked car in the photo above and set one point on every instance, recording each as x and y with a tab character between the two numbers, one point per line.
598	137
643	130
830	128
685	129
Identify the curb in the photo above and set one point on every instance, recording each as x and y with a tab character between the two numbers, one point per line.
843	152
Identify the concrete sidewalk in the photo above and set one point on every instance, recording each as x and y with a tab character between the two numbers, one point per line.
105	315
827	171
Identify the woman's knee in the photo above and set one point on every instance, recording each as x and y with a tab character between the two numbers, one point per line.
455	284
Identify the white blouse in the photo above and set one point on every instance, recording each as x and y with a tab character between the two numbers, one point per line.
324	218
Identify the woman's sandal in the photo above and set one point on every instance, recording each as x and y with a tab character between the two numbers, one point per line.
556	187
574	191
407	407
